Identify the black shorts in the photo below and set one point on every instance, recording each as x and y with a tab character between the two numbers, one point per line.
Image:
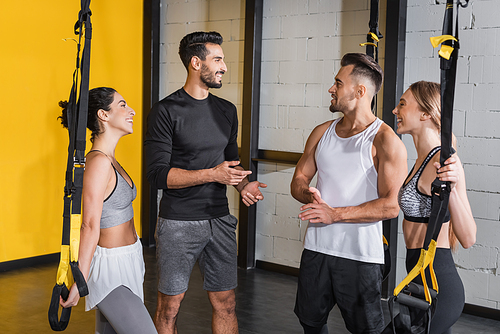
326	280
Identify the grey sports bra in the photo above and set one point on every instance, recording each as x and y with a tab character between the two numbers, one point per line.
117	207
415	205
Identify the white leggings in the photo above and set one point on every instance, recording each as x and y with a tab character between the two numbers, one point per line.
123	312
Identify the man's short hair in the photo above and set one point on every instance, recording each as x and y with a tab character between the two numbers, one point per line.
364	66
194	44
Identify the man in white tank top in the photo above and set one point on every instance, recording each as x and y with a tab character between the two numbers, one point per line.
361	164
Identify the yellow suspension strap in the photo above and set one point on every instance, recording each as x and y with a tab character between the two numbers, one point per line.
421	299
68	271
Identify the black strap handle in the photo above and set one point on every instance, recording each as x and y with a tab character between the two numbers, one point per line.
56	323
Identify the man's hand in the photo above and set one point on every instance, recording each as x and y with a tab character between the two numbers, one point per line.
250	194
317	211
225	174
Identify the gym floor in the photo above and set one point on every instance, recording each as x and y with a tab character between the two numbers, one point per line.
265	303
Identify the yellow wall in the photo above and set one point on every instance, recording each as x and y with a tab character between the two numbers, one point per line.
36	67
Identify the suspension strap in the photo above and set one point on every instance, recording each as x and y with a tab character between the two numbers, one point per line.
68	271
440	190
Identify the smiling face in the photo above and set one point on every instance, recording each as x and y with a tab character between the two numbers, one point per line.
121	116
213	67
408	114
343	91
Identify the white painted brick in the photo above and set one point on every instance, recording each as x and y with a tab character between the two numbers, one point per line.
193	26
226	9
474	175
484	205
230	92
285	168
308	25
326	6
223	28
233	51
425	18
176	72
494	290
353	23
305	117
289	140
279	227
314	95
180	12
301	71
287	207
282	117
476	257
271	27
266	167
283	49
418	44
324	48
292	94
268	117
284	7
491	69
484	124
484	42
351	44
462	70
268	204
236	73
172	33
485	13
263	247
278	183
355	5
475	284
238	29
288	249
488	232
463	101
479	150
270	72
410	148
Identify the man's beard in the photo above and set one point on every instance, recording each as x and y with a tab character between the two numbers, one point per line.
208	78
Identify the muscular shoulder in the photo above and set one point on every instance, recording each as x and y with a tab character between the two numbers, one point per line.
318	132
387	145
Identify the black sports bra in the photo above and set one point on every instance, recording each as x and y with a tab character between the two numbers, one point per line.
415	205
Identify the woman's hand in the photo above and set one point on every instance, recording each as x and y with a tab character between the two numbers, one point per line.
449	172
73	298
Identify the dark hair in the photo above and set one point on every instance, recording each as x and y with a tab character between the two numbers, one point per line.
99	98
364	66
193	44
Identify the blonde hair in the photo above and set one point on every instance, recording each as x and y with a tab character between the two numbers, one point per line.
428	97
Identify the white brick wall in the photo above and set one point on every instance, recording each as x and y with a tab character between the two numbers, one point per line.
476	125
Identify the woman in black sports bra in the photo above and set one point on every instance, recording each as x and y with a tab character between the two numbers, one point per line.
419	114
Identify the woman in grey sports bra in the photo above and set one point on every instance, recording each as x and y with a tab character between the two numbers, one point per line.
110	254
419	114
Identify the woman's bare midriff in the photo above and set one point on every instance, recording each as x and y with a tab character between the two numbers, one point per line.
118	236
414	234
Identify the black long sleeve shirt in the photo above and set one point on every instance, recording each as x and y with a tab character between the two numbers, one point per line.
190	134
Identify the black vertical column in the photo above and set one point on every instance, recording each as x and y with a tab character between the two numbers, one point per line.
250	125
395	32
150	95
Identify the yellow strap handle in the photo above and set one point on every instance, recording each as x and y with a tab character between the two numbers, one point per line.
74	236
64	274
373	36
445	50
426	260
368	43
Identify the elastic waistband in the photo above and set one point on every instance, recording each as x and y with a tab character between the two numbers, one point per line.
102	251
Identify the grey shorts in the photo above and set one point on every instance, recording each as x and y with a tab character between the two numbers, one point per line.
179	244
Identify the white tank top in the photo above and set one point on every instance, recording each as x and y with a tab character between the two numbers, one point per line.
347	177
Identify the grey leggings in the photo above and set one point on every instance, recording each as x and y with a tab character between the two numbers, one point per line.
123	312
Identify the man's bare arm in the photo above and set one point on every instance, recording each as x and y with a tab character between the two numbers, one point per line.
306	167
390	157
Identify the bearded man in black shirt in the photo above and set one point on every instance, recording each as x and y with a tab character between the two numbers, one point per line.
192	154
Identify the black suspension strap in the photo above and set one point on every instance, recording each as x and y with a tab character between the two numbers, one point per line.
407	294
77	109
372	39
